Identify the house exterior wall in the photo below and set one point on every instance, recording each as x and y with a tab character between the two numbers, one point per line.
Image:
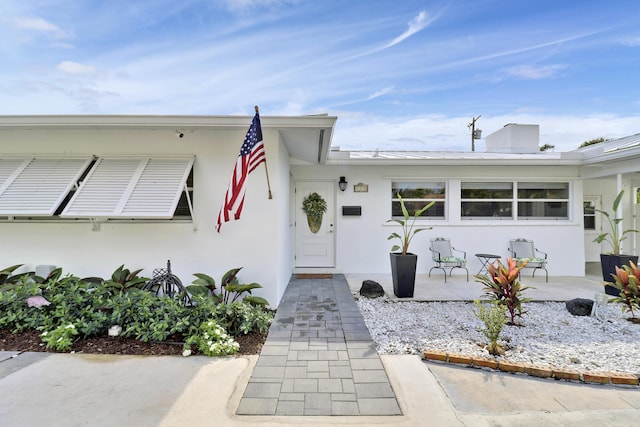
248	242
362	245
605	188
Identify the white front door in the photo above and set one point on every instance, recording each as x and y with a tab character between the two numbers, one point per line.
592	228
315	247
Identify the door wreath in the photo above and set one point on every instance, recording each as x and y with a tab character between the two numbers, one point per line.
314	206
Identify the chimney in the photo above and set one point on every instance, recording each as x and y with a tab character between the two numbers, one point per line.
514	138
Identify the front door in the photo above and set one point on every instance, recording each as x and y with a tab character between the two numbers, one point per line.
315	243
592	228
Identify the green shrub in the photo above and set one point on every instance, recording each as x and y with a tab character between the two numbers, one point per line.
494	319
212	340
80	308
61	338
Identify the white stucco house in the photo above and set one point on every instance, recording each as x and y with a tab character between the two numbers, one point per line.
89	193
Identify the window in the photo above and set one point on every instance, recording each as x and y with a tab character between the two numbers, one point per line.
590	204
36	187
138	188
543	200
96	188
416	195
589	215
486	200
510	200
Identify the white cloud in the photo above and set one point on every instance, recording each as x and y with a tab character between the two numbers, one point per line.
535	73
75	68
380	93
247	5
38	24
417	24
631	41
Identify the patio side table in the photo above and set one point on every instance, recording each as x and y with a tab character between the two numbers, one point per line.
485	260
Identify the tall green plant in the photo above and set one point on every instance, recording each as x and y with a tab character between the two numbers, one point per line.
407	223
494	319
503	285
615	236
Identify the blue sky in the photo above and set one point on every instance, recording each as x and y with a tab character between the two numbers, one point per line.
399	74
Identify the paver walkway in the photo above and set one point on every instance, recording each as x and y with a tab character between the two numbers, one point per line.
319	358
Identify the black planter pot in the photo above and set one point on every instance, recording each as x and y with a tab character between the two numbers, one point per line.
609	264
403	272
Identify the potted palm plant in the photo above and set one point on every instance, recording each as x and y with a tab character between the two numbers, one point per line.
403	263
609	261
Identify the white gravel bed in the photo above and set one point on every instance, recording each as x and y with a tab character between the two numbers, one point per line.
550	336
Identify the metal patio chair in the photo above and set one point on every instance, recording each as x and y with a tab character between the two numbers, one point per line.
443	254
523	249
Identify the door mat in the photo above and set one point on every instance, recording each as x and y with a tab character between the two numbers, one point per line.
315	276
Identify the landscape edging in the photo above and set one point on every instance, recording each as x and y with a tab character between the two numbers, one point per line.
587	377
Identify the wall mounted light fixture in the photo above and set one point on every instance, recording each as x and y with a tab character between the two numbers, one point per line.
342	183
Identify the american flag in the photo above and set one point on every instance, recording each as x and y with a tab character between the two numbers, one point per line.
251	155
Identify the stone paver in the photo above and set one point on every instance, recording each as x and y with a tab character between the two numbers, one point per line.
319	358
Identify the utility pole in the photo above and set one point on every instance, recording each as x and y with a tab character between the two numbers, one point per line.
474	134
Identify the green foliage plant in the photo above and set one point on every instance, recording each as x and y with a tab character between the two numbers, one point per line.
61	338
627	280
615	236
407	224
503	285
93	307
494	319
230	288
211	340
8	279
123	280
314	205
594	141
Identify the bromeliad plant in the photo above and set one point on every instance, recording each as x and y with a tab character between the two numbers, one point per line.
503	285
407	224
627	280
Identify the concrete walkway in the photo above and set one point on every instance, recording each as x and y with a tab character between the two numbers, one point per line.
319	358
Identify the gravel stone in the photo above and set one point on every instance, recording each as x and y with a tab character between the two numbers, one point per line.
549	336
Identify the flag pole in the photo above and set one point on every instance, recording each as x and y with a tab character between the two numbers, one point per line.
266	170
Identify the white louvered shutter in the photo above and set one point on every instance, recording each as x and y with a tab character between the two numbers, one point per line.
37	187
138	188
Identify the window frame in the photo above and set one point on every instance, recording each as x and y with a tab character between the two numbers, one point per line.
423	201
176	181
515	200
138	188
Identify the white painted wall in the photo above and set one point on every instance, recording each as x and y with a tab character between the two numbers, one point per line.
362	245
514	138
607	190
247	243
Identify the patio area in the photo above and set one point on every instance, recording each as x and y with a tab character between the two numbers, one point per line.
434	288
